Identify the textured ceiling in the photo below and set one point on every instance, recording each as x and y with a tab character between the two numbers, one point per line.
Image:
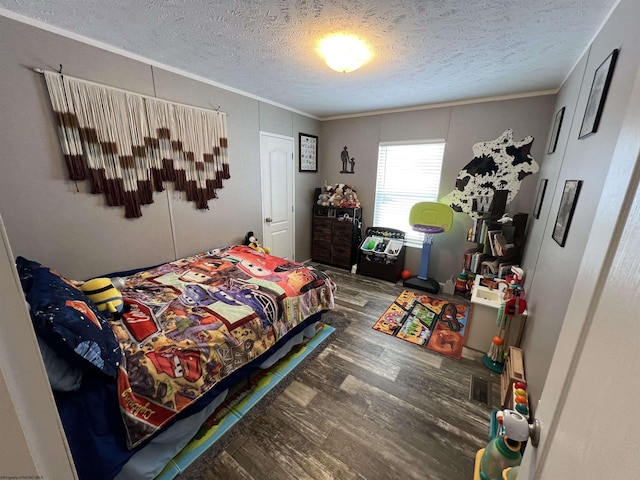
425	51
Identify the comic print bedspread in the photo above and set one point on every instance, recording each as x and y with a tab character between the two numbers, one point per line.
190	323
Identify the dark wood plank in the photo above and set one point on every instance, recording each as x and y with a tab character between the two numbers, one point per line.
369	406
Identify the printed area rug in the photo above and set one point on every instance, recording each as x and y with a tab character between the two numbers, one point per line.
431	322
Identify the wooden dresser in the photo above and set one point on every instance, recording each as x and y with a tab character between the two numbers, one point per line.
336	235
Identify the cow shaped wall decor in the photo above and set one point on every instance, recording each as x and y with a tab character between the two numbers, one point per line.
499	164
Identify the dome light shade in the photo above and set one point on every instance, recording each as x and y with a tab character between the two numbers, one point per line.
343	53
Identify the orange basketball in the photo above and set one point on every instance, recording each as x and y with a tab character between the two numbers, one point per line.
405	274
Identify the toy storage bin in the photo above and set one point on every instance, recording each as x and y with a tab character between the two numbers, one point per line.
381	248
382	253
369	244
393	249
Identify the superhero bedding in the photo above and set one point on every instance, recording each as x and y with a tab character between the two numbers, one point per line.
138	387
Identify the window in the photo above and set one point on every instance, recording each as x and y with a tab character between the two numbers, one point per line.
408	173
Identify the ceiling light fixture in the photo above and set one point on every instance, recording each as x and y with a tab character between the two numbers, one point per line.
344	53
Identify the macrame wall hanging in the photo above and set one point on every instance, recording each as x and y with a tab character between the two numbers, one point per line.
127	145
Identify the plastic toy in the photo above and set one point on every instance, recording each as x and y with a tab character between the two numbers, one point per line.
513	304
500	453
511	473
405	274
428	218
382	246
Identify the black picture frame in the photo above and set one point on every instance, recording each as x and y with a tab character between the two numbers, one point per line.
542	188
565	212
598	95
307	152
557	124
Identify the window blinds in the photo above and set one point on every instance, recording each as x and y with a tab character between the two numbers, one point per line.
408	173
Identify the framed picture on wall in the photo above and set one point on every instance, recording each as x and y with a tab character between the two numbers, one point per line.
542	188
598	95
308	152
565	212
557	123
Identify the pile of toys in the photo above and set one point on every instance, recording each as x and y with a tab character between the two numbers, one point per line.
339	195
381	249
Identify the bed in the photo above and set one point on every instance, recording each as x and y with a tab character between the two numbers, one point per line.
133	388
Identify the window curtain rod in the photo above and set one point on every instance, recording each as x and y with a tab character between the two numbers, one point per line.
217	110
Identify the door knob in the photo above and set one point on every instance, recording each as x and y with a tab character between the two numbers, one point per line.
268	220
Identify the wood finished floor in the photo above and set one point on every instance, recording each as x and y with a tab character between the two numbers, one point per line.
370	406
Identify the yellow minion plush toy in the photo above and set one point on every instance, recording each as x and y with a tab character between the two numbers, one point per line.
105	296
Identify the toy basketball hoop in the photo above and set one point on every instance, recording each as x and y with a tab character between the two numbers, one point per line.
429	218
428	230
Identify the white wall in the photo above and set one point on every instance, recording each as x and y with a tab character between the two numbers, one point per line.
552	269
